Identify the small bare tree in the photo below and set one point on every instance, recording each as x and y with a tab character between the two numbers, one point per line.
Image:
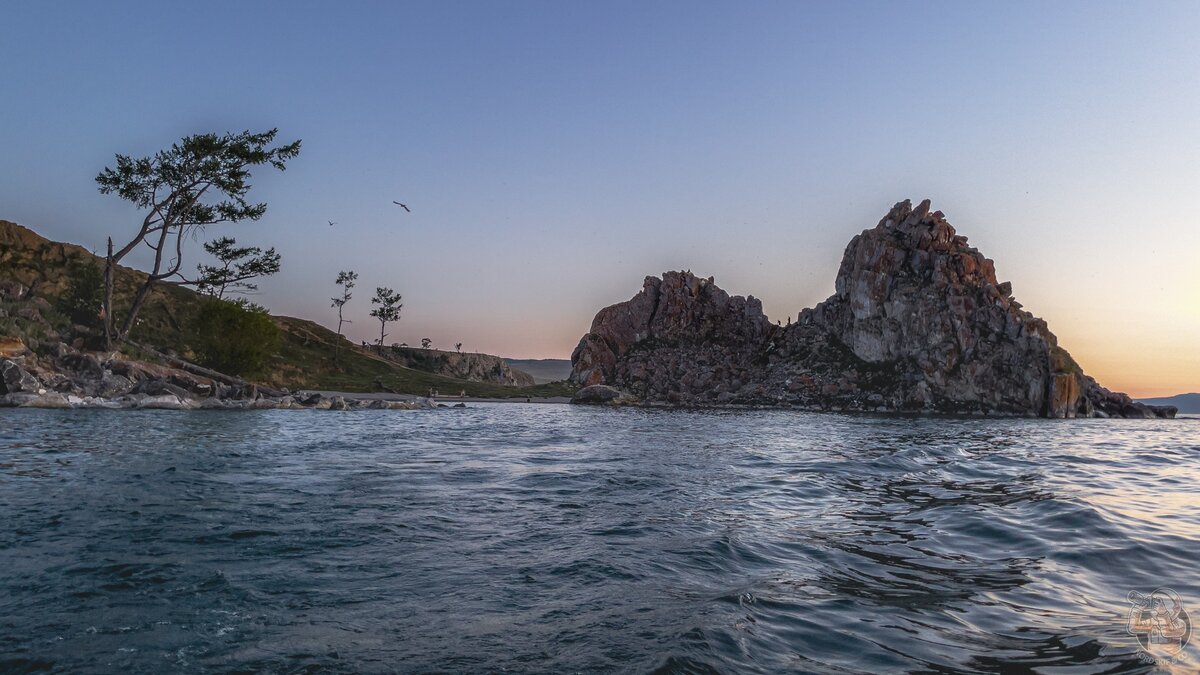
387	309
458	347
347	280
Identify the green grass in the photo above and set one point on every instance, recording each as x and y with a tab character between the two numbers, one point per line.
311	346
1063	362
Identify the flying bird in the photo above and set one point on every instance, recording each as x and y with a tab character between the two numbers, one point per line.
402	206
331	223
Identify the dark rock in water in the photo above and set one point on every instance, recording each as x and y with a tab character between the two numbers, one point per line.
602	394
919	322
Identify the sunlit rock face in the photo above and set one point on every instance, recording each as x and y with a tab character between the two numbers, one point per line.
919	322
912	293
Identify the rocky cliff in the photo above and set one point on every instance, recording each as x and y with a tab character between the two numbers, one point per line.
471	367
919	322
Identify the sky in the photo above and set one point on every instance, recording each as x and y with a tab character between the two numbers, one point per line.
556	153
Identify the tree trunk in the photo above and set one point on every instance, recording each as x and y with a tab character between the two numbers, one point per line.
138	301
108	297
337	343
206	372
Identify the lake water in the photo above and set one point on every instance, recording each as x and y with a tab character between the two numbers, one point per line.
547	538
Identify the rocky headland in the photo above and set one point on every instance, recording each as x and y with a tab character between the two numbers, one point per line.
60	376
471	367
918	323
56	341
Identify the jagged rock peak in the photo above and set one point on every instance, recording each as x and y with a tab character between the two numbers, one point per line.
677	309
918	245
904	214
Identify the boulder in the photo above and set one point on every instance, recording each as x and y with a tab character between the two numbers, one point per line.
50	399
16	380
166	402
112	386
602	394
158	387
263	404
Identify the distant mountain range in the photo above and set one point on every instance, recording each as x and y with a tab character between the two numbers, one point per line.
543	370
1187	403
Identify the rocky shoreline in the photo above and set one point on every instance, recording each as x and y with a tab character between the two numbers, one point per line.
60	376
919	323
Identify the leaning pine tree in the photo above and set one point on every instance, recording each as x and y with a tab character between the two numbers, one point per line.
201	180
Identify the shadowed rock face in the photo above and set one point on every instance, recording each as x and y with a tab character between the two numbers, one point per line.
675	323
918	322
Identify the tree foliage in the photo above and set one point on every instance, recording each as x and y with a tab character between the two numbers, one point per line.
84	297
387	309
238	265
234	336
201	180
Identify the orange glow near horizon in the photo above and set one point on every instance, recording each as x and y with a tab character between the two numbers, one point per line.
1138	358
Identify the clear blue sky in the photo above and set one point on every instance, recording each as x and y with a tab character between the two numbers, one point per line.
554	153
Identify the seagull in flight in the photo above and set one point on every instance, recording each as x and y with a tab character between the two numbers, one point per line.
402	206
331	223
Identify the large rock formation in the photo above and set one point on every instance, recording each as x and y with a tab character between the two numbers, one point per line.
919	322
680	337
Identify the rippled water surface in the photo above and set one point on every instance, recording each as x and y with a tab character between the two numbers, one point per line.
561	539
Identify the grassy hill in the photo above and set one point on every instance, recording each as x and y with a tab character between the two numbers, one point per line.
306	361
35	273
